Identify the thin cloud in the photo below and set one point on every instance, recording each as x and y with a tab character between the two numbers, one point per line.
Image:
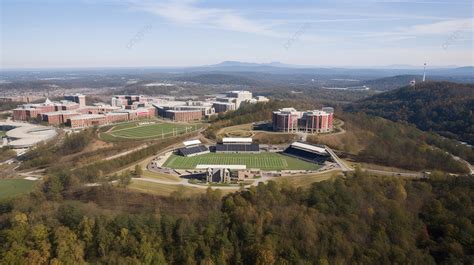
443	27
188	13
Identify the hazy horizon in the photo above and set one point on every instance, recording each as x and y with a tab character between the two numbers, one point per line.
166	67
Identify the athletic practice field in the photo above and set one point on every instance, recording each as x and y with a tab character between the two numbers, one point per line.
146	130
263	161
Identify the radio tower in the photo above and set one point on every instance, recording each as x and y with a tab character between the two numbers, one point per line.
424	72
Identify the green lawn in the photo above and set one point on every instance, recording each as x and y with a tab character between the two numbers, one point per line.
134	131
263	161
162	189
13	187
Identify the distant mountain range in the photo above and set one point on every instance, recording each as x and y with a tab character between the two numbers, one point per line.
277	68
444	107
245	74
280	68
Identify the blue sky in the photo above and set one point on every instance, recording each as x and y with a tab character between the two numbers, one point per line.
103	33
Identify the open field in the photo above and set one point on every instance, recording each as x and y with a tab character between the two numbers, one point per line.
261	137
306	180
137	131
13	187
162	189
263	161
160	176
378	167
2	133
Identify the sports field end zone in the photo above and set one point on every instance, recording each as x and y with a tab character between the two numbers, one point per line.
263	161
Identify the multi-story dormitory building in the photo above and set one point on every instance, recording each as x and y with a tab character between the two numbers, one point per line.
311	121
76	114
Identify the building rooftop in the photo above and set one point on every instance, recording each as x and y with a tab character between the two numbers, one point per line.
115	113
309	147
87	116
235	167
191	142
26	135
60	112
236	140
184	111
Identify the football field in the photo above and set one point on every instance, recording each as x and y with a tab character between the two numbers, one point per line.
144	131
263	161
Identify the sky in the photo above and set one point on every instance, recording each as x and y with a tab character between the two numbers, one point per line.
145	33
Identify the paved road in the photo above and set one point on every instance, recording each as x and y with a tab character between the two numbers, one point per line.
392	173
185	182
471	167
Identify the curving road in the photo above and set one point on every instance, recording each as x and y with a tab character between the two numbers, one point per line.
185	182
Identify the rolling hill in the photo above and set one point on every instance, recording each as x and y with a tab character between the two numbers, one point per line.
443	107
220	79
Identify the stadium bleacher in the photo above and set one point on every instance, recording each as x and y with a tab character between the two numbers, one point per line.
237	148
193	150
310	153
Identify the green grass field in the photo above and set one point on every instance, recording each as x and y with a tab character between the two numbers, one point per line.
2	133
135	131
13	187
263	161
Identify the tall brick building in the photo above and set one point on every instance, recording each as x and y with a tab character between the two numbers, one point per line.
311	121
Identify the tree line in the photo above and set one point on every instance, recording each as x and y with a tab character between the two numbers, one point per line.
362	219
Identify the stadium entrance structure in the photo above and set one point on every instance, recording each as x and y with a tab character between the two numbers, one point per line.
220	173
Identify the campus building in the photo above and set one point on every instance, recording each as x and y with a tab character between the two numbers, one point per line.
27	112
239	96
126	101
232	100
221	107
218	175
183	115
73	111
78	98
86	120
311	121
183	111
57	117
98	119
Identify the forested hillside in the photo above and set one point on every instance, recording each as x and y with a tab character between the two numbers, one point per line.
443	107
381	141
358	220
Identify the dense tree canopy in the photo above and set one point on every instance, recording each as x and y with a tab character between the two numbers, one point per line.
443	107
360	220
